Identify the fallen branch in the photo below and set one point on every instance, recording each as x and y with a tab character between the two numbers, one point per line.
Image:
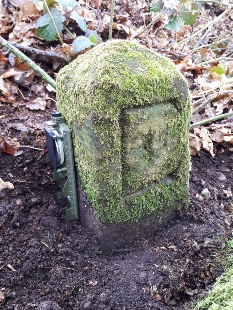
28	61
211	119
41	55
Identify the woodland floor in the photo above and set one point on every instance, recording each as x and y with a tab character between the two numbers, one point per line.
49	263
45	258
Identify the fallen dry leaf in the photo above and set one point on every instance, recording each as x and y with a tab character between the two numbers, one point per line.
195	144
38	104
207	143
5	188
7	146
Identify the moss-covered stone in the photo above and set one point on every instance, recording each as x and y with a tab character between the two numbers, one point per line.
128	108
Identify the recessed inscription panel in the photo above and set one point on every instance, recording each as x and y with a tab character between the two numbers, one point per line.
149	146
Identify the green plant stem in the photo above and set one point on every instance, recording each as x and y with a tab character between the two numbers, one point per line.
210	120
54	25
111	19
70	33
206	26
28	61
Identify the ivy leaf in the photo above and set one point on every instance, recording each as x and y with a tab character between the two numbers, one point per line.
80	44
79	20
45	27
175	24
157	6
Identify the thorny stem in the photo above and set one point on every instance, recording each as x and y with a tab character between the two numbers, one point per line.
28	61
210	120
54	25
111	19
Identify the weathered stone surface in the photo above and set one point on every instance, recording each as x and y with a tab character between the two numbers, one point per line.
129	111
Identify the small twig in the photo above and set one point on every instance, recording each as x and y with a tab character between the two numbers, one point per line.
11	267
111	19
52	99
151	23
204	35
45	244
214	60
31	147
210	120
212	1
54	25
209	100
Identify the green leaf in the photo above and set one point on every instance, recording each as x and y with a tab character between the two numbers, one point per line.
218	69
189	13
157	6
175	24
93	39
93	36
80	44
50	4
45	27
67	4
79	20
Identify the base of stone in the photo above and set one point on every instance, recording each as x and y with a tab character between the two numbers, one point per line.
114	237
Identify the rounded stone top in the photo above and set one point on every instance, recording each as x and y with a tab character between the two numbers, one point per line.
116	75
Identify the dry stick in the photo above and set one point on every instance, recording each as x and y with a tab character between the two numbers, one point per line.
209	100
54	25
157	17
212	1
28	61
214	60
206	26
42	55
210	120
111	19
204	35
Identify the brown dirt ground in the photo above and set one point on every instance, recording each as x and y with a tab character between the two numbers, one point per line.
49	263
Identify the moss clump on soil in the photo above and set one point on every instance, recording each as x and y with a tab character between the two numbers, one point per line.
221	295
104	96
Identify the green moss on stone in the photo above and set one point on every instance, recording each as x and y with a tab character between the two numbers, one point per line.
110	96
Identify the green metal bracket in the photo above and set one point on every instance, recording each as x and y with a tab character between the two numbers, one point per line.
59	143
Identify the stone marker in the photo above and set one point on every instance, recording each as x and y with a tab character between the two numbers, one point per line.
128	109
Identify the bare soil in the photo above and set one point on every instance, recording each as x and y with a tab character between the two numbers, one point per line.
47	262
